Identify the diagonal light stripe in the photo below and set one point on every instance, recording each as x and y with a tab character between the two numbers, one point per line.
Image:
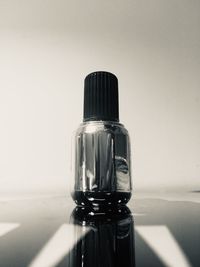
7	227
162	242
59	245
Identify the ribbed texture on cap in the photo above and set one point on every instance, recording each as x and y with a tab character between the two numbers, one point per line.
101	97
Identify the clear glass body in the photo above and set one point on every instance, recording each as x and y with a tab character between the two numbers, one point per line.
101	164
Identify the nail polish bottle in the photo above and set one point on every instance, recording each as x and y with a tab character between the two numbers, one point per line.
102	157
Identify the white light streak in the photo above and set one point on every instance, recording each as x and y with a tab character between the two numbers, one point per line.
59	245
7	227
163	243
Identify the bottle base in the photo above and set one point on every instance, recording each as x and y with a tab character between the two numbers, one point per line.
97	199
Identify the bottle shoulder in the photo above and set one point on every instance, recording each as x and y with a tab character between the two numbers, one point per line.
102	126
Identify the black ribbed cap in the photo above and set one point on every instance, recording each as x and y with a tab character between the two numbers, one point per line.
101	97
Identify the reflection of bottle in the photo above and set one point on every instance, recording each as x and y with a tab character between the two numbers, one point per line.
102	166
109	241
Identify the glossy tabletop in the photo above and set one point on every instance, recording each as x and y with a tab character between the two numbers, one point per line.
157	229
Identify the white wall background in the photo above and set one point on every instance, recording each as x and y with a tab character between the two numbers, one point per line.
46	50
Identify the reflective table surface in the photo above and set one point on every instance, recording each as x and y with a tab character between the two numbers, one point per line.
156	229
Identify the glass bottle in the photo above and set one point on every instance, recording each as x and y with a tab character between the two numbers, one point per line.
102	157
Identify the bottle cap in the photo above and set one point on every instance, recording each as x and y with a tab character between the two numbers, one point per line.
101	97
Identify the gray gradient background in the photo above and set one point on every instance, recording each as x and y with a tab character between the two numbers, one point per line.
46	50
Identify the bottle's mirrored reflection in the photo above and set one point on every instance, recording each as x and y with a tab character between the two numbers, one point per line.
107	238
